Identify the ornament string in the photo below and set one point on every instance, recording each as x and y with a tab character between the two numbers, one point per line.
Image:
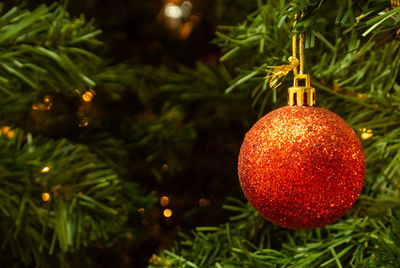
294	46
301	53
294	52
298	95
278	73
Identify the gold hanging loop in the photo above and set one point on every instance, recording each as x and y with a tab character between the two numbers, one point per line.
301	94
278	73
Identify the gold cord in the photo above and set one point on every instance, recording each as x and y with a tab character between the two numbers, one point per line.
278	72
300	95
301	52
294	52
301	48
294	45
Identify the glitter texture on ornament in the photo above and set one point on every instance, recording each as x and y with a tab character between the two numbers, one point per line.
301	167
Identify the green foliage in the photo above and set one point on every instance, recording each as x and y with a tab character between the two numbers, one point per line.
184	110
83	203
247	240
45	52
54	55
387	249
41	52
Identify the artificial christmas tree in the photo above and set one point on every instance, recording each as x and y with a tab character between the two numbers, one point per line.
83	139
59	193
88	143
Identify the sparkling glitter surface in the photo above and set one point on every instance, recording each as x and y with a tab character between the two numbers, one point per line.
301	167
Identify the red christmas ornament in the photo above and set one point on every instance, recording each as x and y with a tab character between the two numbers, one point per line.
301	167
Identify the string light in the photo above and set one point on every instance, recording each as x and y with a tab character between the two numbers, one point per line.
46	104
173	11
88	95
84	122
47	99
179	18
164	201
167	213
366	133
46	197
157	261
45	169
7	131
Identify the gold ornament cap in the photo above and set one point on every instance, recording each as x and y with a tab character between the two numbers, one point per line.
301	94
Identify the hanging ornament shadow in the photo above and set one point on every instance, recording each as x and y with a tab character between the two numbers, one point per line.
301	166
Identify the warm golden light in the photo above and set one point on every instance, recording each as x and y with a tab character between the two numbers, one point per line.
11	134
84	122
164	201
366	136
45	105
366	133
141	210
45	169
164	168
6	131
173	11
88	95
167	213
46	197
362	96
186	29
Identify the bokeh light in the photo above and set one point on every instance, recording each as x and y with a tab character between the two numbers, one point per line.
88	95
7	131
167	213
173	11
45	169
366	133
164	201
46	197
